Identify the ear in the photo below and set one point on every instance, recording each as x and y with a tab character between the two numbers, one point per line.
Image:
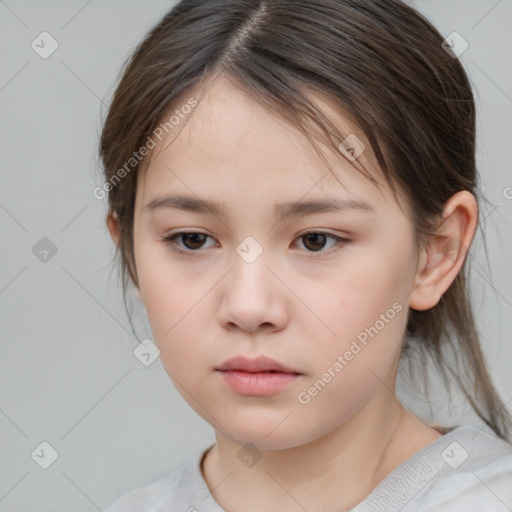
112	222
442	258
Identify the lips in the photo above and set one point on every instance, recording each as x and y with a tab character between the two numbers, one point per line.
260	364
261	376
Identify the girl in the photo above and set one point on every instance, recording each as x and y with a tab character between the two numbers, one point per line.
292	192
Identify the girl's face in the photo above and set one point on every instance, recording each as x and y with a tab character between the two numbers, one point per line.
250	283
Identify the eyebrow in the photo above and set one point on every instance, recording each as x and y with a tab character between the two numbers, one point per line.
281	210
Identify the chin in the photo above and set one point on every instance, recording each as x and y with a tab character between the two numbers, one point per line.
269	434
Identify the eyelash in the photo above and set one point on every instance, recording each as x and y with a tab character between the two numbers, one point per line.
171	243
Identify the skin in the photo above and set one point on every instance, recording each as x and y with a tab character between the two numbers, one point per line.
297	305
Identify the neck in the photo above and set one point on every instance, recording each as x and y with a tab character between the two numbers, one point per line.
336	470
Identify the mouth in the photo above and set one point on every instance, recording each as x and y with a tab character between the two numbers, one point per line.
257	377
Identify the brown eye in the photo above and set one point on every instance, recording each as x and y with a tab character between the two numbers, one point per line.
193	240
315	241
190	241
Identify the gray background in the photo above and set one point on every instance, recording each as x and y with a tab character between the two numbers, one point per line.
67	372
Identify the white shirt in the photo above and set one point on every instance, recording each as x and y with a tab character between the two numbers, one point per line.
466	470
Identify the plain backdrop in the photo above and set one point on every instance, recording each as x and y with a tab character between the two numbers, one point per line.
68	375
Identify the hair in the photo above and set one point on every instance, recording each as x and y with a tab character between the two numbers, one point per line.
381	63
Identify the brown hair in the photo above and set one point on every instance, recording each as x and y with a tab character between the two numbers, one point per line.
384	65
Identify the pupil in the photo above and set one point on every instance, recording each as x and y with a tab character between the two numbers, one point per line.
192	235
314	237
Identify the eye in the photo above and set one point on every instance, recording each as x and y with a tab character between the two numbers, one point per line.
192	241
315	241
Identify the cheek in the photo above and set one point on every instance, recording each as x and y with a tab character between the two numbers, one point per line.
355	296
174	305
350	371
363	315
359	351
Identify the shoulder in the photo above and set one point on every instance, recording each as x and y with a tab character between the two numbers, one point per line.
465	469
474	472
169	489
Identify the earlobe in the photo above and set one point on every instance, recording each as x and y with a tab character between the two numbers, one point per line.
444	255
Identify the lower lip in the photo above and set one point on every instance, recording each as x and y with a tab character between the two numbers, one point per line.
257	384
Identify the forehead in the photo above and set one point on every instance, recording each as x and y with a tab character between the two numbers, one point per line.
230	143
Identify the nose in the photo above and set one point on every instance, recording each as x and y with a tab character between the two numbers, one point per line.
253	298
